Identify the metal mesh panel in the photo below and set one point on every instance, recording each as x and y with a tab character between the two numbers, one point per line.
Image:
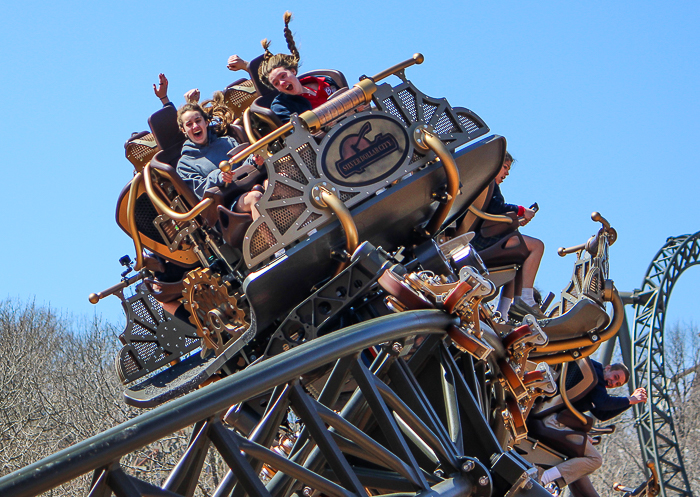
140	309
145	349
594	286
313	217
345	196
145	213
129	364
469	125
445	124
392	109
283	191
285	217
288	168
308	155
191	341
140	330
138	153
155	305
428	111
261	240
238	99
409	101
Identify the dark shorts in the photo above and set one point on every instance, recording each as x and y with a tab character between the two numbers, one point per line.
481	243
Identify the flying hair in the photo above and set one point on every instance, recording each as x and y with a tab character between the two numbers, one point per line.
287	61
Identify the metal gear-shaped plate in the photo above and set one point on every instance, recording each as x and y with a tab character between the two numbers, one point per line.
216	314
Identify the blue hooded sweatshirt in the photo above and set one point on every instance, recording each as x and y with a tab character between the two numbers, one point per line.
199	164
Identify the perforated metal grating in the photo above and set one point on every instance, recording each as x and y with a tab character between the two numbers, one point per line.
313	217
282	191
239	100
145	213
345	196
445	124
156	305
140	330
129	364
308	155
145	349
428	111
141	311
286	166
138	153
285	217
469	125
416	157
261	240
409	101
392	109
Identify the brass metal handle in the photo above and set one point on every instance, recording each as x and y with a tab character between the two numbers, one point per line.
426	140
600	219
131	220
323	198
565	251
94	298
163	207
262	142
359	94
565	397
416	59
490	217
248	126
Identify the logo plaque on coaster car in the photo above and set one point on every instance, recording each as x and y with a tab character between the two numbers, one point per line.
365	151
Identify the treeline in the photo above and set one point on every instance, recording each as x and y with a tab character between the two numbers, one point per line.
59	387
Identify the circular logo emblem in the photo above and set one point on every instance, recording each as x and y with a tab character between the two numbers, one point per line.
364	150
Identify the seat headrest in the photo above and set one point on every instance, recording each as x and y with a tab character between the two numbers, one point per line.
163	124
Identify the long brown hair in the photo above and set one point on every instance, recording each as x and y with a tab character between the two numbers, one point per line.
270	61
214	111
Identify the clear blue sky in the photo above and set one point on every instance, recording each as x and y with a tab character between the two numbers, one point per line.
599	102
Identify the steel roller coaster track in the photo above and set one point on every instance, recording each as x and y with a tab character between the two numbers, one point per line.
657	434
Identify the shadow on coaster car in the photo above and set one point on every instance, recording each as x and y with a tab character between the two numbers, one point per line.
391	176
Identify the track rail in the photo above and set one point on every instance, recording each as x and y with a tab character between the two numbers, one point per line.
657	434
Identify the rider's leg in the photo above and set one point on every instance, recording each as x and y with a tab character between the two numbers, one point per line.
575	467
583	488
530	266
506	298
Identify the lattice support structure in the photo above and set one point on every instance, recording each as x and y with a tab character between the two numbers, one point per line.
657	434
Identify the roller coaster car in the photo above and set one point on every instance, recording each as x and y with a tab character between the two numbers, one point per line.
391	176
579	324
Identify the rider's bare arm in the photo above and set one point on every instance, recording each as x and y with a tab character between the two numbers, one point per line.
161	90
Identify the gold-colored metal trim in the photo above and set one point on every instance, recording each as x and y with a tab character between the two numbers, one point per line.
586	341
425	140
262	142
600	219
131	219
565	251
416	59
323	198
163	207
565	397
94	298
248	126
490	217
569	356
